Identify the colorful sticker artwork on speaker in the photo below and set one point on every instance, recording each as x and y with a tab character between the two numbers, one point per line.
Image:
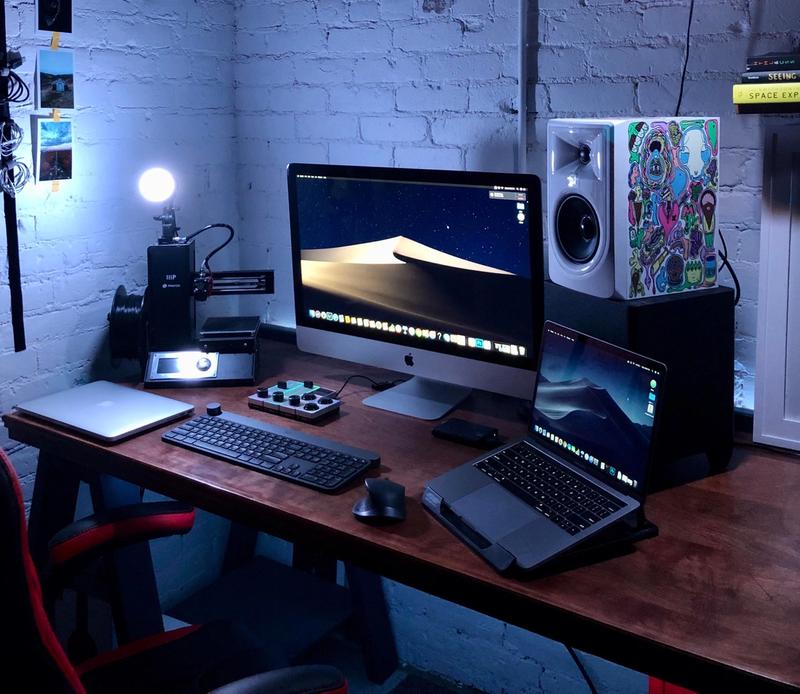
672	202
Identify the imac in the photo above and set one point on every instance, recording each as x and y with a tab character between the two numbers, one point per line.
437	274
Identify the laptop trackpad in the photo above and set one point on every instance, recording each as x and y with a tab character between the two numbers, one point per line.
493	511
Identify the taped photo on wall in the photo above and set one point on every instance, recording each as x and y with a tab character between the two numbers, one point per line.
52	148
55	84
54	15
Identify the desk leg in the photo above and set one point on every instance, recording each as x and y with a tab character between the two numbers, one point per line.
241	546
55	494
313	561
370	615
372	622
134	594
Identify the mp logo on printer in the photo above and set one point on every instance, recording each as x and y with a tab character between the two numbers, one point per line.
170	278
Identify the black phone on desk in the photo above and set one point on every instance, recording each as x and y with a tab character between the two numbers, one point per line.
468	433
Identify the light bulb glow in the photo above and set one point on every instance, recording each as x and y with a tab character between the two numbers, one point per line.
156	185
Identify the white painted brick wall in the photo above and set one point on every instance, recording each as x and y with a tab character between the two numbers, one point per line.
154	85
600	58
438	89
377	83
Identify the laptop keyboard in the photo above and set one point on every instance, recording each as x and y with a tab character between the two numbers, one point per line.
570	501
301	458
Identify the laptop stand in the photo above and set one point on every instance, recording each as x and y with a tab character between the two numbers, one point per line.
614	541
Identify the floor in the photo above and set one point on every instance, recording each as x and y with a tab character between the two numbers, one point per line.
341	652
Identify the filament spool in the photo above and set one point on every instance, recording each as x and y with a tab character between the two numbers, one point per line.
128	325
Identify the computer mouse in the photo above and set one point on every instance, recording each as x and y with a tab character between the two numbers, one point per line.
385	502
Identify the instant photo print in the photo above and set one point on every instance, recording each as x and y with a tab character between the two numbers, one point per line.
56	79
53	149
54	15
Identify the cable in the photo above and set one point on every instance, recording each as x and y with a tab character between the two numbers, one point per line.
13	176
724	256
205	264
685	58
14	139
585	674
376	385
18	91
724	253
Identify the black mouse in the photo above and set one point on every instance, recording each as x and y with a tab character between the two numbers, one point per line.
385	502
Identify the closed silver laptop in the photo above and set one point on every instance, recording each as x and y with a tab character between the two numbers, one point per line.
106	411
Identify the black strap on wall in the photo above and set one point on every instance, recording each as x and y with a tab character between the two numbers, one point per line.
10	203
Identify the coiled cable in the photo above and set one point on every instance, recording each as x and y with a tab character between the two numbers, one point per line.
14	174
9	142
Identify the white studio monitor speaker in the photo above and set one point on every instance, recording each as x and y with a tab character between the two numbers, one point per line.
631	204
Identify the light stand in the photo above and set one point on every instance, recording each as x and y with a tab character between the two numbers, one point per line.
169	228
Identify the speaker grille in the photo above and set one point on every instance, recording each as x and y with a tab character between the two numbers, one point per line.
577	229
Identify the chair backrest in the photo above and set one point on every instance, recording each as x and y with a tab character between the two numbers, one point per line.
30	647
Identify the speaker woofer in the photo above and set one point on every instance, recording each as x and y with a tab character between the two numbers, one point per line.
577	229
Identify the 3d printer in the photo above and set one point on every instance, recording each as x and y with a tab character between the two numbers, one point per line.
158	326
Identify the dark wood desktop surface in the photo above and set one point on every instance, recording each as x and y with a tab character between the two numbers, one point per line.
712	602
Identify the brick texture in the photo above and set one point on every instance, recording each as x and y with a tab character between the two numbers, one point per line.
433	83
599	58
428	83
228	93
154	86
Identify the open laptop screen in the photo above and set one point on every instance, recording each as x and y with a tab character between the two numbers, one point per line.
596	404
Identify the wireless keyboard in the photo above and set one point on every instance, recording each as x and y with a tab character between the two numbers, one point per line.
290	455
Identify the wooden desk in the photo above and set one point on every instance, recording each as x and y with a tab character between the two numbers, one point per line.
712	603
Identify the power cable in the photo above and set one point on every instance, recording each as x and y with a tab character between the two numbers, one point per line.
204	264
376	385
685	57
583	670
724	256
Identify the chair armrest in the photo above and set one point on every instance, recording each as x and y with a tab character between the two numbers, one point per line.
304	679
119	527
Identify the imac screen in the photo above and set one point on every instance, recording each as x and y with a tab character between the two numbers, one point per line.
438	260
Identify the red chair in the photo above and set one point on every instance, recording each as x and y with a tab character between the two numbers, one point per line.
657	686
191	660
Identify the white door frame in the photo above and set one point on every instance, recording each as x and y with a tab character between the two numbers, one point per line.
777	388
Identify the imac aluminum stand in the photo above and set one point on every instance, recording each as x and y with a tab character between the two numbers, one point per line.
419	397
